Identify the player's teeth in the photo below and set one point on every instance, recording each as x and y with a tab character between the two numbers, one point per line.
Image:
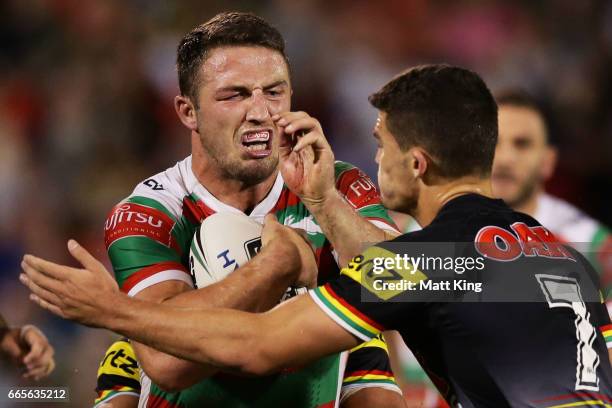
257	147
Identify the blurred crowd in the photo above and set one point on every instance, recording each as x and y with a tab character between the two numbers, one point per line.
86	90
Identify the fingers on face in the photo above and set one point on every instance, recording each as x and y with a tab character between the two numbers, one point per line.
310	139
306	124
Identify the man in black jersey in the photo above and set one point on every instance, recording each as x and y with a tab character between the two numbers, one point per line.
502	315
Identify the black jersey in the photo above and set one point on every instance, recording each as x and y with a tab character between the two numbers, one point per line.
496	310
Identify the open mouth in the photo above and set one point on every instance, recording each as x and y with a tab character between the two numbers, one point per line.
258	143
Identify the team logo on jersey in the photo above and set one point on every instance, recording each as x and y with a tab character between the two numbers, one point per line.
359	190
500	244
387	282
130	219
227	261
120	360
153	184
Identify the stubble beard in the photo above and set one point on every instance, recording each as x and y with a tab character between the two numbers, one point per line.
404	202
232	167
525	193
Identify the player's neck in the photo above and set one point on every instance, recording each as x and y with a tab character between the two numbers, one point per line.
232	192
432	198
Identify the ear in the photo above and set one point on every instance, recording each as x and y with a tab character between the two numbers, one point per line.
549	163
186	112
419	162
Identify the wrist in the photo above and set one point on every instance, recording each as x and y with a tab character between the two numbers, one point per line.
329	200
24	329
112	315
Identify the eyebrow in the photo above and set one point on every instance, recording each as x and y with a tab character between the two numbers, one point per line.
242	88
275	84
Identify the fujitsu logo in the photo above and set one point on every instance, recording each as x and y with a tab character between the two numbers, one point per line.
124	214
362	185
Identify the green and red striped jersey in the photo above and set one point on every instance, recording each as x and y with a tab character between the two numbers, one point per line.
148	236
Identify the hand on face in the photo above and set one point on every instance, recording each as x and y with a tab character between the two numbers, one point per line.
71	293
28	347
273	231
306	158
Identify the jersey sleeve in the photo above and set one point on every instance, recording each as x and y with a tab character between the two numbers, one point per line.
146	242
601	249
118	373
367	366
361	193
357	303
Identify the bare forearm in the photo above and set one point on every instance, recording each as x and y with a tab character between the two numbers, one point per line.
344	228
256	286
293	334
212	337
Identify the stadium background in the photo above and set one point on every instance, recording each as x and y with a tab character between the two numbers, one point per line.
86	112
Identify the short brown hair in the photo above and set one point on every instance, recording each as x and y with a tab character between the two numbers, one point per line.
517	97
522	99
447	110
224	29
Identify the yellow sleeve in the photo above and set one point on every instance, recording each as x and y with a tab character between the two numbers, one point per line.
118	373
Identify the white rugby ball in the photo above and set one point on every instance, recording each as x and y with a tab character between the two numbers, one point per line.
223	243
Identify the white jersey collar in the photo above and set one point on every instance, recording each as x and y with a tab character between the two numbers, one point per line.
212	202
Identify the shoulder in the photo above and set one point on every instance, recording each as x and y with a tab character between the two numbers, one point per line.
342	169
355	186
167	188
565	220
155	202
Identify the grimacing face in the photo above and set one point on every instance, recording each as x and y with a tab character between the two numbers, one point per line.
240	88
523	159
398	187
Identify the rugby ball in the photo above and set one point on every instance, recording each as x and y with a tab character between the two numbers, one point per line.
222	243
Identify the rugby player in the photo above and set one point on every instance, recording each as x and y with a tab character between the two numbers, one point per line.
524	160
540	343
28	348
235	101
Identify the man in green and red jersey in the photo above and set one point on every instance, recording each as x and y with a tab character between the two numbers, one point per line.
235	100
525	159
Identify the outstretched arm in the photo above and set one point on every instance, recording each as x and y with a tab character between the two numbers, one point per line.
292	334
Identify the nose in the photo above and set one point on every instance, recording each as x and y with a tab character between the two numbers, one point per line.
258	111
503	155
